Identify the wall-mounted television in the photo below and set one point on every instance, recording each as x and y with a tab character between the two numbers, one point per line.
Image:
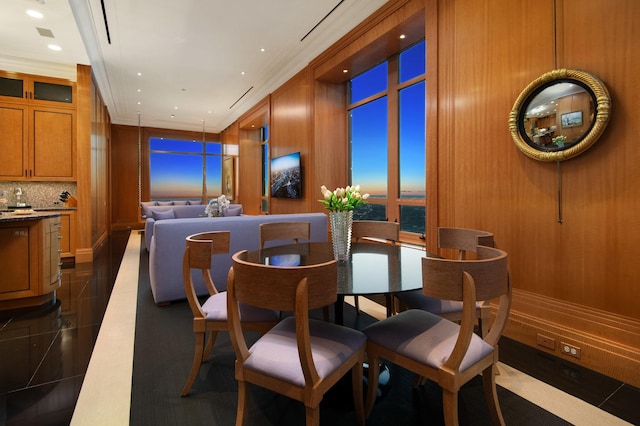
571	119
286	176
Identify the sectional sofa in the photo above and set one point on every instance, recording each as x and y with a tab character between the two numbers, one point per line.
153	211
168	241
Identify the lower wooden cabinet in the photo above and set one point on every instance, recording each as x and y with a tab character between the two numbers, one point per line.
29	261
67	234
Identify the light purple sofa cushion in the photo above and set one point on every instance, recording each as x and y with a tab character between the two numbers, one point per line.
168	243
180	212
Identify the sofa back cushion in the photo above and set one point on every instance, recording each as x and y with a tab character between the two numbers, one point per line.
164	214
168	242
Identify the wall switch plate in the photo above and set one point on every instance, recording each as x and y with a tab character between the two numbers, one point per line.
547	342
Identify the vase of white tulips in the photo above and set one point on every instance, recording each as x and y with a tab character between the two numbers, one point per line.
340	204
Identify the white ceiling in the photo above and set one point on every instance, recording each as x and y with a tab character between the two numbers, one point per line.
200	60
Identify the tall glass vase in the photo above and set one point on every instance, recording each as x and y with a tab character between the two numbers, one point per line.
341	223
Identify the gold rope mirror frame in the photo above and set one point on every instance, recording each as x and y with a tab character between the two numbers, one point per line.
575	102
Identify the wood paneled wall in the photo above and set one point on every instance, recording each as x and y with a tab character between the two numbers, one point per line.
84	156
573	281
291	132
100	174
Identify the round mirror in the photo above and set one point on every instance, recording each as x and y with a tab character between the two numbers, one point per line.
559	115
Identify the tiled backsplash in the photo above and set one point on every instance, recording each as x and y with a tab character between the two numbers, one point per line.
36	194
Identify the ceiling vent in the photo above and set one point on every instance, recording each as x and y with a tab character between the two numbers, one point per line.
243	95
322	20
44	32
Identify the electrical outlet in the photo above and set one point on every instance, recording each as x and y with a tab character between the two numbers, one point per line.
571	350
546	342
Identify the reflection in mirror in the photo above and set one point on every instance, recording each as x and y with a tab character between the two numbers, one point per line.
559	115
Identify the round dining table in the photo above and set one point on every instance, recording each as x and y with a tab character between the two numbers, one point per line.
372	268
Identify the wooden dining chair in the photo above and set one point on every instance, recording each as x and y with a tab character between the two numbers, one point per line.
381	231
211	316
301	357
443	351
463	242
284	231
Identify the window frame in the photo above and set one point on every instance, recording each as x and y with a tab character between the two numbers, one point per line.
393	201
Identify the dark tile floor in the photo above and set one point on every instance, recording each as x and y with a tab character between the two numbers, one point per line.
45	353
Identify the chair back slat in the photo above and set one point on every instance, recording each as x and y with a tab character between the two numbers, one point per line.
293	231
463	240
274	287
443	278
375	229
204	245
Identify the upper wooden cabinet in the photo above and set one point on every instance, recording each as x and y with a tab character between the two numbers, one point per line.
37	90
38	143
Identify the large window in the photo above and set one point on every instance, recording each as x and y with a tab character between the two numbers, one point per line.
181	169
387	136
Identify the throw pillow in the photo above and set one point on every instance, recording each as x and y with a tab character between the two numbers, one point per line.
165	214
165	203
144	205
195	202
180	203
233	211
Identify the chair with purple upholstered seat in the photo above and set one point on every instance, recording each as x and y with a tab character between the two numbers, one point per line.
464	243
211	316
441	350
301	357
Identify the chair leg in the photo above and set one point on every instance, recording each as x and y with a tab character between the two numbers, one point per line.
450	407
195	367
356	303
356	384
326	314
210	342
312	415
491	394
372	383
244	392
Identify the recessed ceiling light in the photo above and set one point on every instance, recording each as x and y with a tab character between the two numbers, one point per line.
139	74
139	102
242	73
35	14
402	36
262	50
54	47
175	107
139	90
345	71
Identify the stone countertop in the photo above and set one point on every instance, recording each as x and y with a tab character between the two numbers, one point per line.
41	209
7	216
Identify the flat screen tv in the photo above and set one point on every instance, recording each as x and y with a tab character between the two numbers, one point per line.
286	176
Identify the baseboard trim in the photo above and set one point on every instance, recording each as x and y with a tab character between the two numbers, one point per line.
609	343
